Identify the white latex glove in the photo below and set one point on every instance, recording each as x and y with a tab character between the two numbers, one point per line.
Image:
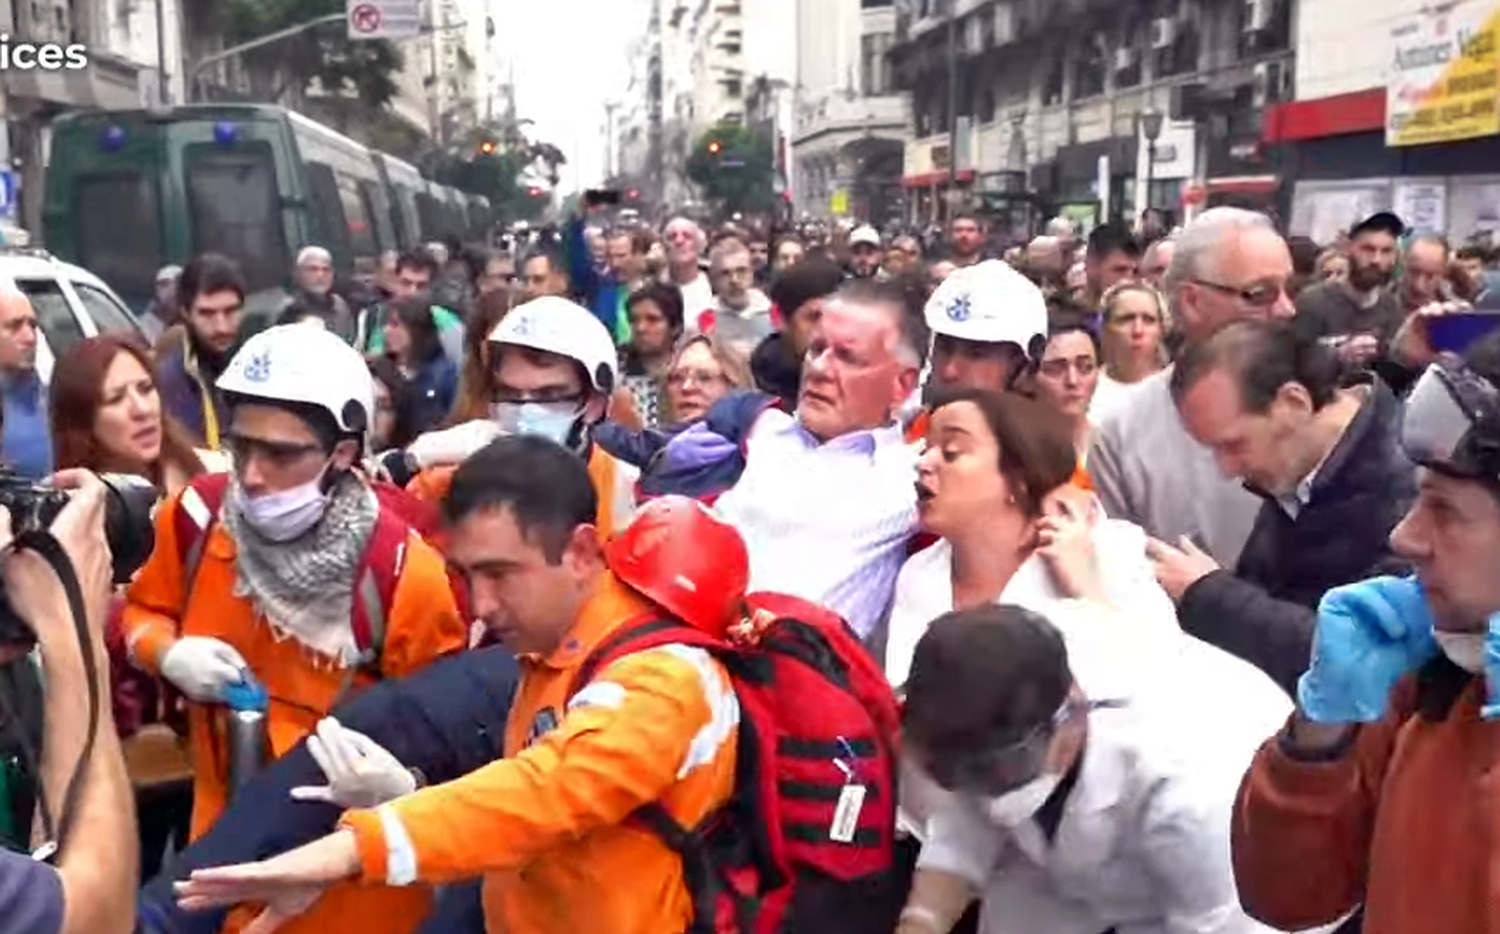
360	773
452	445
202	667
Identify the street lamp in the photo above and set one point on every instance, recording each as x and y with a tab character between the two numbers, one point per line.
1151	121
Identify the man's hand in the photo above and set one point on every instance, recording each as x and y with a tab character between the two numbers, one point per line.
33	587
1359	349
1369	636
1412	345
288	884
1177	569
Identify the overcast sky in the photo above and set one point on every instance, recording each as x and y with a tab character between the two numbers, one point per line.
570	58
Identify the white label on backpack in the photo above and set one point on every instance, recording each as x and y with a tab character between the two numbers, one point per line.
846	814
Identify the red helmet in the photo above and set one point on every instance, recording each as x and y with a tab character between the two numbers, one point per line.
683	558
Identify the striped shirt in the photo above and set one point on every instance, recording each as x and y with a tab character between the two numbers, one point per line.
827	522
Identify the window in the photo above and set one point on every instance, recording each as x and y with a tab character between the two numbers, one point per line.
379	207
875	69
734	89
53	314
327	209
358	218
431	215
235	206
109	317
124	255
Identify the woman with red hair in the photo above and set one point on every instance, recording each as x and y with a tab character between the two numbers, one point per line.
107	417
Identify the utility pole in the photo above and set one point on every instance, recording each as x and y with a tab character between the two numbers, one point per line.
952	198
163	90
610	109
654	92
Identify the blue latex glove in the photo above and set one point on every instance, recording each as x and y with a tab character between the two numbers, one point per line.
1491	709
1369	635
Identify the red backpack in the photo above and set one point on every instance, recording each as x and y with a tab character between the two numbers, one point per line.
379	567
807	842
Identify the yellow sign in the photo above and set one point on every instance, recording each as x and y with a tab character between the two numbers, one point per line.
838	205
1444	84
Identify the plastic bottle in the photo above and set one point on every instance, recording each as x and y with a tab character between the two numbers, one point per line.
249	741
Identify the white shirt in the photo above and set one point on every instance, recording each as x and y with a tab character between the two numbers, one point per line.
924	591
827	522
1109	396
697	297
1143	844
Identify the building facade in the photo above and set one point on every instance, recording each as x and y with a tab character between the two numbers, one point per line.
1025	108
1388	114
850	120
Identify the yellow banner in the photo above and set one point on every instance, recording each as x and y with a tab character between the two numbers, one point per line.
838	204
1444	84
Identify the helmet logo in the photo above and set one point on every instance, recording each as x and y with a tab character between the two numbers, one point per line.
525	326
258	368
960	309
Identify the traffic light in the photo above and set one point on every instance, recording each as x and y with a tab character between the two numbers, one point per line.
536	192
487	147
633	194
714	147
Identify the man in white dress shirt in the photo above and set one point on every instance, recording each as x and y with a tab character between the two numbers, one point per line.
827	501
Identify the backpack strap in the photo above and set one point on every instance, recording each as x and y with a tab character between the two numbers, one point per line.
379	572
197	513
641	634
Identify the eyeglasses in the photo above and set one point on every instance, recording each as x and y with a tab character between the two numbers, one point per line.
680	378
998	769
1256	296
278	453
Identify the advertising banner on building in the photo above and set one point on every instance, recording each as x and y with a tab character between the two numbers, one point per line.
1443	83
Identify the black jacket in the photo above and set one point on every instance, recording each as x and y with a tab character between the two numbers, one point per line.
1265	611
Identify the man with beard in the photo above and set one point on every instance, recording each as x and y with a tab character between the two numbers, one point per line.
1358	316
212	295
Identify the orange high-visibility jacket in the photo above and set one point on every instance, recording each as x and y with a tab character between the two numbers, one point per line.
546	825
422	624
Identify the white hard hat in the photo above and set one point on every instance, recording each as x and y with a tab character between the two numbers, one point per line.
312	366
558	326
990	303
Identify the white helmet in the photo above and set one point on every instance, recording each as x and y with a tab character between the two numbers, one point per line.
558	326
990	303
312	366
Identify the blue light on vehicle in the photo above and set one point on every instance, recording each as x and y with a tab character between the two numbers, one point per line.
112	139
225	133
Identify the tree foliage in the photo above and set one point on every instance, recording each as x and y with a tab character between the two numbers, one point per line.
325	54
734	168
498	162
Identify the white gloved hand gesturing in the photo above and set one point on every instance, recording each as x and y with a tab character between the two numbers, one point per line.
202	667
360	773
452	445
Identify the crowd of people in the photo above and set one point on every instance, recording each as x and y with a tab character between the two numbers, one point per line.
1142	582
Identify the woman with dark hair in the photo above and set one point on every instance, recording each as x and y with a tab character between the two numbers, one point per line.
655	313
393	426
107	416
1067	376
474	378
413	346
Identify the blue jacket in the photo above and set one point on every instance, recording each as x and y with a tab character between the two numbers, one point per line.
701	459
191	399
432	391
597	291
445	721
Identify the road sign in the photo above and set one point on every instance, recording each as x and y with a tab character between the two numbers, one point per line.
384	19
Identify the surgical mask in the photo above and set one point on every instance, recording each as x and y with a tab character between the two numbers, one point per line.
284	516
551	420
1017	806
1464	649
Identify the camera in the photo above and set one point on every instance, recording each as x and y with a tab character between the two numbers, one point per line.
128	504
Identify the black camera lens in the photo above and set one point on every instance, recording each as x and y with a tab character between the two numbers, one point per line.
128	527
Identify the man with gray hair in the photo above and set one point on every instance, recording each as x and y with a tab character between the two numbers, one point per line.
684	267
1228	265
314	290
1156	259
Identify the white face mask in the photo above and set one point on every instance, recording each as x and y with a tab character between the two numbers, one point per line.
1016	806
284	516
1464	649
550	420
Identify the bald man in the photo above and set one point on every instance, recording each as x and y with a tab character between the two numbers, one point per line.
25	436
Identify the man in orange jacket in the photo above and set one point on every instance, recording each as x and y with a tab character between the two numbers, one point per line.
546	825
269	589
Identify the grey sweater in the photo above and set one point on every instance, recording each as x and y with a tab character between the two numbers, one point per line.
1148	470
